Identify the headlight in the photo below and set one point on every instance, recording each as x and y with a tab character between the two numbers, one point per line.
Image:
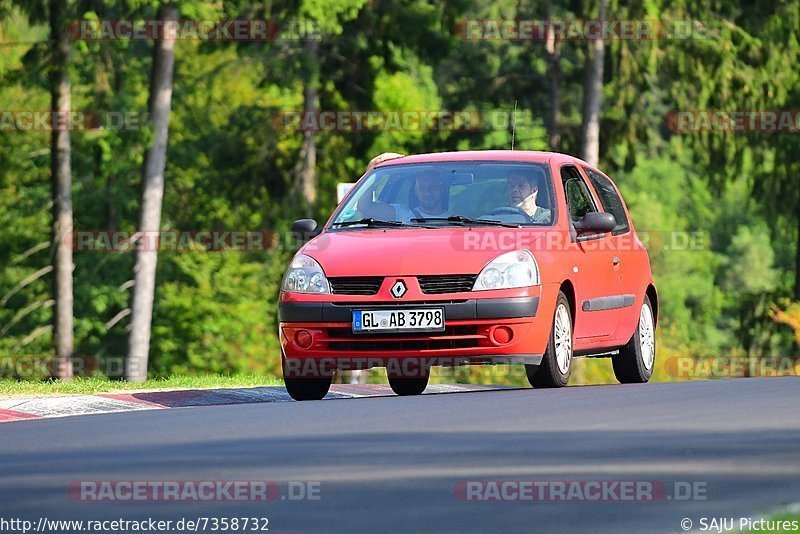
305	275
512	269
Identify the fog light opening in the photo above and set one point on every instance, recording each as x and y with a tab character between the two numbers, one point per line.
501	335
303	339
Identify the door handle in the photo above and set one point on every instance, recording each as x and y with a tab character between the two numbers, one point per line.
615	261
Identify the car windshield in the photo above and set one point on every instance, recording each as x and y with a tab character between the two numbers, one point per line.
450	194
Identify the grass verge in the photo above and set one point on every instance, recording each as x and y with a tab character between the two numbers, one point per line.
88	386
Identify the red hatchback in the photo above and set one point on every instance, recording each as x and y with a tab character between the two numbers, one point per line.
460	258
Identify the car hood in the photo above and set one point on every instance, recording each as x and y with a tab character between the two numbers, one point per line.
409	252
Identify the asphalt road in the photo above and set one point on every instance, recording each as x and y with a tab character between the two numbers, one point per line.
391	464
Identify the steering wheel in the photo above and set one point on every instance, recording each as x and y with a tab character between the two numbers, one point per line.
508	210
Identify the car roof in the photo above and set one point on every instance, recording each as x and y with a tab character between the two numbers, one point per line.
533	156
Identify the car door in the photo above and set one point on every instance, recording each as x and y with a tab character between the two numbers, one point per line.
631	258
595	270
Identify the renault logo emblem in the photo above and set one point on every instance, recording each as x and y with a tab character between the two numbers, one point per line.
399	289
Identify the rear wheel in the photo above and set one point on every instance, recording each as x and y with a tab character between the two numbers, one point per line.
409	385
636	360
302	386
556	366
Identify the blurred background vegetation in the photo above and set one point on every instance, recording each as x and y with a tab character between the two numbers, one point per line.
230	167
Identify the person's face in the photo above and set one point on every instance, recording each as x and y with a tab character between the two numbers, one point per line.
519	188
430	193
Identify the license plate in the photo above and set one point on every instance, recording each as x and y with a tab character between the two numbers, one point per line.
405	320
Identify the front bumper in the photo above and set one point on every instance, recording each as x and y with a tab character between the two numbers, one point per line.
487	330
329	312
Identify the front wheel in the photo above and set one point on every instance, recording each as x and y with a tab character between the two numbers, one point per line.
556	366
635	362
301	387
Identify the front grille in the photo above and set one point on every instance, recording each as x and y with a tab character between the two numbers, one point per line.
355	285
399	304
454	337
448	283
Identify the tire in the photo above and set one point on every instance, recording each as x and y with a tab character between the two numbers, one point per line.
302	388
636	360
556	366
404	385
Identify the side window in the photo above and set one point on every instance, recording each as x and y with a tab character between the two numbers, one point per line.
579	200
609	199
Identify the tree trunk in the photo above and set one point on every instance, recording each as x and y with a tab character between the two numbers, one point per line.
144	272
554	77
593	99
307	171
61	176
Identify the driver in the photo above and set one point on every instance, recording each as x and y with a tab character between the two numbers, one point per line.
430	191
523	189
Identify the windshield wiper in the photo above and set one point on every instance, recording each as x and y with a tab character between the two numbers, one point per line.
369	221
466	221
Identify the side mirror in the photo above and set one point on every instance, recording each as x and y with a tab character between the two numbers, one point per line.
304	229
596	222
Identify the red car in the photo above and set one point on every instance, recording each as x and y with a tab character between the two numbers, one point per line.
459	258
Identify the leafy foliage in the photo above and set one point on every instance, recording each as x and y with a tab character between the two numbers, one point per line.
719	210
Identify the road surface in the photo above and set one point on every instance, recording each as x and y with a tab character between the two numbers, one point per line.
396	464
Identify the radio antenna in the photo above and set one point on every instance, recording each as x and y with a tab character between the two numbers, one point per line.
513	125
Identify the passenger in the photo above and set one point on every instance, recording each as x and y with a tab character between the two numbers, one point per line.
523	189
